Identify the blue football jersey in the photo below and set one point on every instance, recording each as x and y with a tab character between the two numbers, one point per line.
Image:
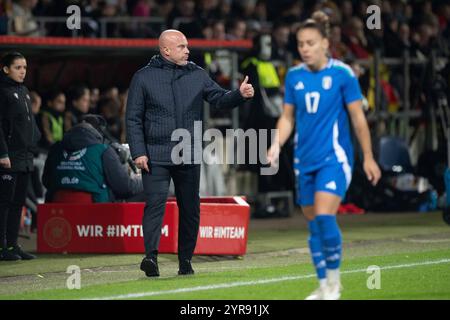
322	123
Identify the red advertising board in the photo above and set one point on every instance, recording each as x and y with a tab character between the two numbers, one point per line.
117	227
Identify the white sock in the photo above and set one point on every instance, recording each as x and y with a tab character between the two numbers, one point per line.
333	275
323	283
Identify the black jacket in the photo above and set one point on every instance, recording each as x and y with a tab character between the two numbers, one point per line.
116	175
19	133
163	97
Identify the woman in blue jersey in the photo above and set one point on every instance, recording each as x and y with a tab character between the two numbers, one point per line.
321	94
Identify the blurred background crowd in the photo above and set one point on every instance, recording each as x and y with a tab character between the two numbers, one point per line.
417	25
413	29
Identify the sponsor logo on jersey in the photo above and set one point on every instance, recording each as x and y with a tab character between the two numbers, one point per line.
77	155
299	86
69	181
7	177
331	185
327	82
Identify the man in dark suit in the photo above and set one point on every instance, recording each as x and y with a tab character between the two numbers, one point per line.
164	96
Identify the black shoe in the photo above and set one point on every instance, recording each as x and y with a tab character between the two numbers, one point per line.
150	267
185	267
9	255
22	254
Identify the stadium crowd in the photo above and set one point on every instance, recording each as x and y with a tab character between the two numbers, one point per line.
418	25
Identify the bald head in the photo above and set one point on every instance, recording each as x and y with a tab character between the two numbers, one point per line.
173	46
169	36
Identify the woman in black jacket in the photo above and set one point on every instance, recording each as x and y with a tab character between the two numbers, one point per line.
18	138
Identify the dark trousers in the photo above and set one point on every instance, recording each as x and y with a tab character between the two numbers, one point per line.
13	191
186	179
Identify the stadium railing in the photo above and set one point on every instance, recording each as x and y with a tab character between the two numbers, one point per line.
157	23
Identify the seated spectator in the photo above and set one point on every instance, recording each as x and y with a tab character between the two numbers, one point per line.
183	17
332	11
123	97
214	30
218	30
140	29
109	109
78	105
94	97
143	8
163	9
36	102
236	29
356	38
24	23
5	13
83	162
253	29
280	43
111	92
260	11
110	9
339	49
346	10
207	10
52	119
422	40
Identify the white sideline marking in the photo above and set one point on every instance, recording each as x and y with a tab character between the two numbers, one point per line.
426	241
256	282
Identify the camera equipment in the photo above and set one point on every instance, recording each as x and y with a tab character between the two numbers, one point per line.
99	123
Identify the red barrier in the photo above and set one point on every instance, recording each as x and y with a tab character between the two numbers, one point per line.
117	43
117	227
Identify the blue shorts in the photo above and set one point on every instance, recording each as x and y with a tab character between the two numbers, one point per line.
333	178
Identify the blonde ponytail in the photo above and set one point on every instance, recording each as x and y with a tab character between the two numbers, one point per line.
319	21
322	19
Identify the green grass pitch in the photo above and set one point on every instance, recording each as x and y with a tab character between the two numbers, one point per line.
410	251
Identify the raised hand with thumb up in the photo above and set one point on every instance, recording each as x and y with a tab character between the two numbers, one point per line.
246	89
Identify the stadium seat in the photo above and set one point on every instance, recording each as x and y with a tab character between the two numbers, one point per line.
394	155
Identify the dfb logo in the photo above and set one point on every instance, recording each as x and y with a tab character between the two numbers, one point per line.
74	21
374	20
374	281
74	280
